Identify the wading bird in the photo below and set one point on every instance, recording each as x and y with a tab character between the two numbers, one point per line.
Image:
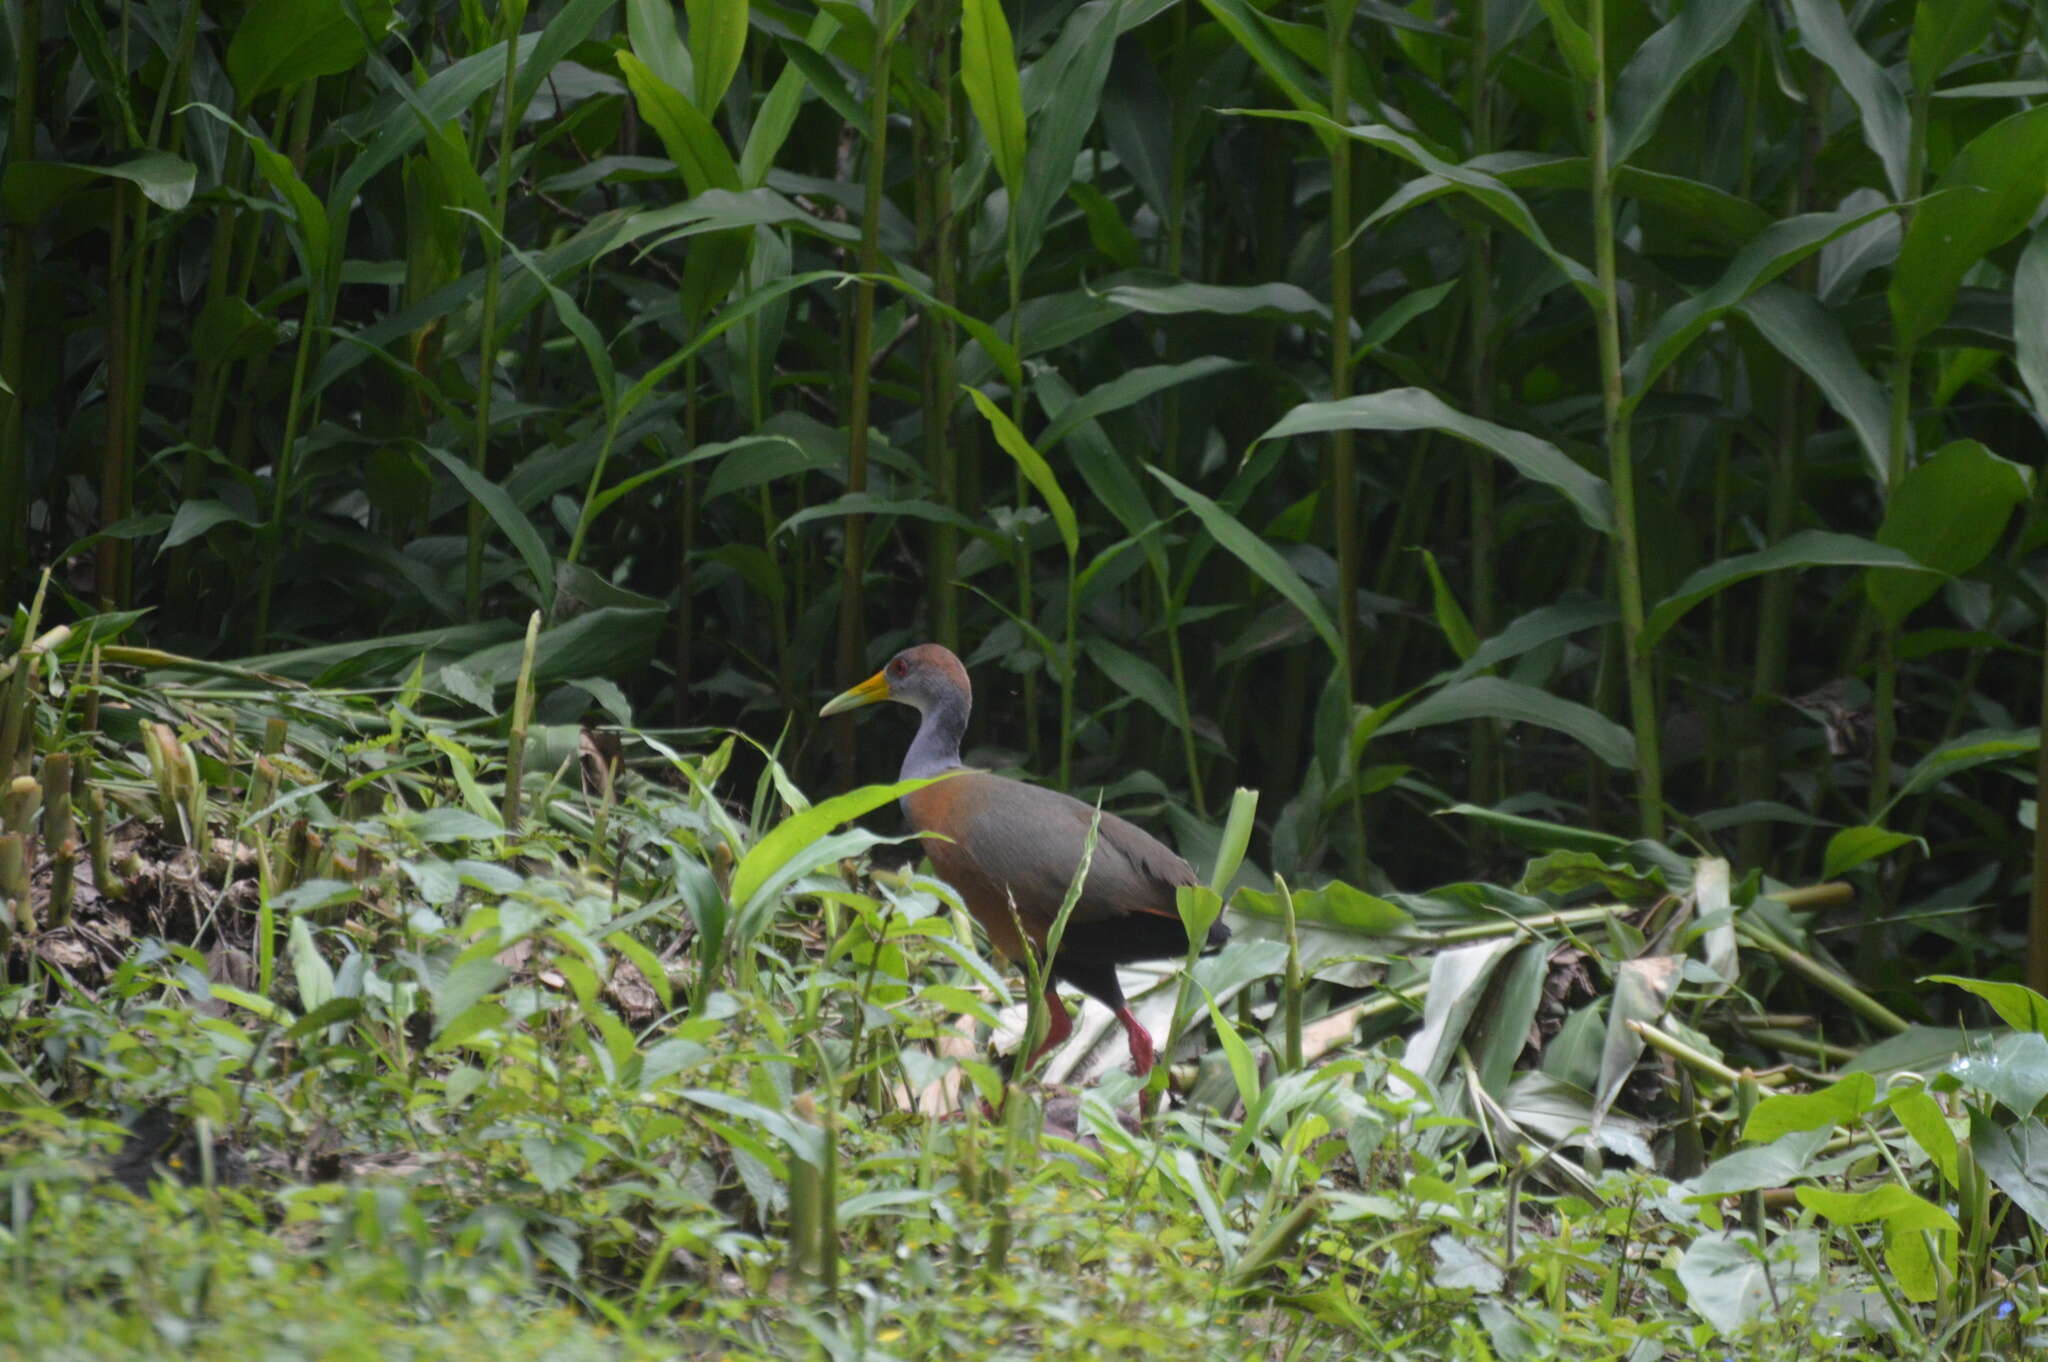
1001	842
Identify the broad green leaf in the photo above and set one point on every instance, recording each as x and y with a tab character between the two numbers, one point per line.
1785	1158
2030	319
1078	64
767	857
1573	41
1133	385
2017	1005
1806	549
1962	754
308	216
686	134
195	518
1907	1220
1852	847
778	112
1812	337
1782	245
1278	302
1922	1117
1419	409
1947	513
1133	675
540	564
1033	466
1996	184
1256	554
1838	1104
2013	1069
1661	66
1441	177
2016	1160
988	72
718	37
1336	905
568	28
1450	616
651	35
1824	31
1493	697
1944	30
33	188
283	43
1735	1282
1458	983
1247	26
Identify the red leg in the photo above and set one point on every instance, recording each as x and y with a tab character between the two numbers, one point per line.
1058	1026
1142	1053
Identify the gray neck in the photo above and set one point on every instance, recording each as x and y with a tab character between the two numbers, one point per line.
936	747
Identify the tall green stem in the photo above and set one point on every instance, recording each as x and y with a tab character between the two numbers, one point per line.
487	335
1637	664
852	634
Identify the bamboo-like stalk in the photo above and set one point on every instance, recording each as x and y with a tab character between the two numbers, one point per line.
522	715
14	315
1486	785
60	835
936	230
852	622
513	17
1638	666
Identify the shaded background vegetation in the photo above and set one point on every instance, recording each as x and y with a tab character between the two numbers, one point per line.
752	341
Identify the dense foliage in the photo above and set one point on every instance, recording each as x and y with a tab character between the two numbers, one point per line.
1603	432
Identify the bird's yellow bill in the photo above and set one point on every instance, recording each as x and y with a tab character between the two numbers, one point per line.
868	692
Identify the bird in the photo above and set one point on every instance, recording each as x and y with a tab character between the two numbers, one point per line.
1000	842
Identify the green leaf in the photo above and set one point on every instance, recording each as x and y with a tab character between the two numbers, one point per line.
1661	66
1133	675
540	564
1944	30
1256	554
686	134
1812	337
32	188
1923	1119
988	73
555	1159
1806	549
1573	41
1442	177
1493	697
1133	385
1450	616
1419	409
1838	1104
1962	754
1275	302
1248	27
651	34
1995	185
2030	317
283	43
718	37
766	859
1852	847
1034	467
1947	513
1908	1221
2017	1005
1782	245
1077	65
1824	32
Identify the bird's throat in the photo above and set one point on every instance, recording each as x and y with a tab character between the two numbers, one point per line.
936	747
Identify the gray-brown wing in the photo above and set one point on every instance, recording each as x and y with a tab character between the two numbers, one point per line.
1030	839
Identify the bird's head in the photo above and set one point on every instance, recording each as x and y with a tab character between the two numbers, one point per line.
924	677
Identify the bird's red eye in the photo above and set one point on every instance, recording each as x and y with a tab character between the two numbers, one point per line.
897	668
